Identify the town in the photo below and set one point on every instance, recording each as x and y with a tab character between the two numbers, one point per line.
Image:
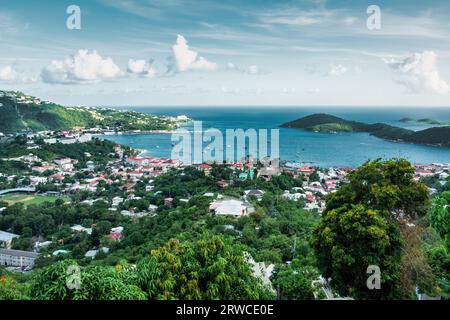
104	196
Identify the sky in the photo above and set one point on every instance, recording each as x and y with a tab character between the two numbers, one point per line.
228	52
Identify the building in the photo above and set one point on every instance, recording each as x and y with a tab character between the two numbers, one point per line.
17	258
258	194
6	239
230	207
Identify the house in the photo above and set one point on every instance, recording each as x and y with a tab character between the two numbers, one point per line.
39	245
231	207
116	201
79	228
152	208
50	141
92	253
17	258
306	170
34	181
206	168
116	233
42	169
258	194
168	202
57	177
222	183
6	239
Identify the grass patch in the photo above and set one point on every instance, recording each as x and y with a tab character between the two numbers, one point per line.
28	199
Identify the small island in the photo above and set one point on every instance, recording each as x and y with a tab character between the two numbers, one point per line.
426	121
437	136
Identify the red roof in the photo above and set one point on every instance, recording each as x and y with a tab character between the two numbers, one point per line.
306	169
205	166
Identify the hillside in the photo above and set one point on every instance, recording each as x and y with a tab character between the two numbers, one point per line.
321	122
21	112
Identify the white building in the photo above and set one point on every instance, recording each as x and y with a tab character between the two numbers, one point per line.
17	258
79	228
230	207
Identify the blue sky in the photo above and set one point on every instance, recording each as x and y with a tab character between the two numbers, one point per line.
196	52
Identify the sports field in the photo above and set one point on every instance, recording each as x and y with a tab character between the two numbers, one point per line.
28	199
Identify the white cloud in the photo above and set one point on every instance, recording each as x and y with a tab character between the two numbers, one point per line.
419	72
337	70
142	68
8	74
189	60
11	75
251	69
82	68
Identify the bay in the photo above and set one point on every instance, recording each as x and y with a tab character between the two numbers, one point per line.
321	149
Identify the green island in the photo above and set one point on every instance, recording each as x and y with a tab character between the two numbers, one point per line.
426	121
23	112
438	136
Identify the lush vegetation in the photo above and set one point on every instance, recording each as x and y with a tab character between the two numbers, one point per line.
24	112
380	217
328	123
97	150
377	219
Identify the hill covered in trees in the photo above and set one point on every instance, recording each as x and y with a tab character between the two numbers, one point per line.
22	112
321	122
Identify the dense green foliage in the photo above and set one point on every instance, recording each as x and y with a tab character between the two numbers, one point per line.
24	112
206	269
362	226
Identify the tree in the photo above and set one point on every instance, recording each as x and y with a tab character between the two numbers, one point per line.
295	283
10	289
350	239
361	226
208	268
65	280
387	185
439	216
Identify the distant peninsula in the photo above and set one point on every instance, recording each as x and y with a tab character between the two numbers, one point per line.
22	112
438	136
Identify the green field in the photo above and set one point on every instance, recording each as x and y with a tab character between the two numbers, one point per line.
28	199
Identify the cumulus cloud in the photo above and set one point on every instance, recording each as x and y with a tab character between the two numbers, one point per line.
142	68
337	70
189	60
419	72
82	68
252	69
11	75
8	74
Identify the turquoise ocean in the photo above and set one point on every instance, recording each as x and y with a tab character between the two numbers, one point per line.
320	149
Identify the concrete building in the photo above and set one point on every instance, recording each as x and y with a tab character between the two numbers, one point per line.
17	258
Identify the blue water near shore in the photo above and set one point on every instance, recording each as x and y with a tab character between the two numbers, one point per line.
321	149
